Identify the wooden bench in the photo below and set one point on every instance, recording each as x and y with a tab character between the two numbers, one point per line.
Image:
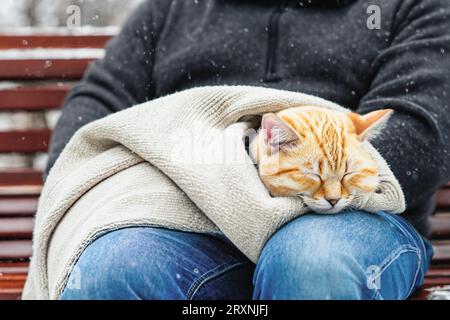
37	69
42	67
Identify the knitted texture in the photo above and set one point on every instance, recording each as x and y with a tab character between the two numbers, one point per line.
132	169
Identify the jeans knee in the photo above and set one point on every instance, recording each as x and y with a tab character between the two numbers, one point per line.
297	265
115	266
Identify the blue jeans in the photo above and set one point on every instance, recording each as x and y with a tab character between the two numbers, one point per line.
351	255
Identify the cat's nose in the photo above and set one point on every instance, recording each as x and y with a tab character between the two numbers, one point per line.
333	201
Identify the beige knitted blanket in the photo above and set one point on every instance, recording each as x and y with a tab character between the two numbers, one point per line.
160	164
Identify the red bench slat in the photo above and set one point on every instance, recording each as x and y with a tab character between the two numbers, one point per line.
43	69
13	250
443	198
18	177
25	190
11	294
14	268
436	272
18	206
25	141
441	252
16	228
440	226
53	41
19	184
9	281
33	98
437	281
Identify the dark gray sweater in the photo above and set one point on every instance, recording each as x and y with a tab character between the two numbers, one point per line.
317	47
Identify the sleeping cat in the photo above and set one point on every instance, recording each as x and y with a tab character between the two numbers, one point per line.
317	154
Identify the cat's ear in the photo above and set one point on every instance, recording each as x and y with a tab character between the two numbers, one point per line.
276	132
370	125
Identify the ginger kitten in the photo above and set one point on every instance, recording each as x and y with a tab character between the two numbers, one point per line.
317	154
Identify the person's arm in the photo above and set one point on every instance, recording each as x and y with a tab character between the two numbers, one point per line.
121	79
412	76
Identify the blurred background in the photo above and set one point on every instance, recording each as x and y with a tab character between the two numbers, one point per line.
52	13
49	17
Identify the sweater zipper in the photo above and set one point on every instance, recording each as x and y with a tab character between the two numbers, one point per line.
272	45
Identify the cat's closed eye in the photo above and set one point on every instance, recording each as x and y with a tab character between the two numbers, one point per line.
348	175
313	175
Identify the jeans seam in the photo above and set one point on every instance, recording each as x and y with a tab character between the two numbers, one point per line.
215	272
377	295
419	262
406	231
393	257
